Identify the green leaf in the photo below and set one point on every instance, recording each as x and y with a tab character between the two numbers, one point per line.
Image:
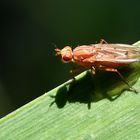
81	109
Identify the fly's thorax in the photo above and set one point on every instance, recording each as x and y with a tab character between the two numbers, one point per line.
83	52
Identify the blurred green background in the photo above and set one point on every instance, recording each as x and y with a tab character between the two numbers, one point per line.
29	30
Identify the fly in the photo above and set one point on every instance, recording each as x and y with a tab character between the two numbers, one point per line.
102	56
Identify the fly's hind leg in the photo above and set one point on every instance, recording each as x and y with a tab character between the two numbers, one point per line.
123	79
102	41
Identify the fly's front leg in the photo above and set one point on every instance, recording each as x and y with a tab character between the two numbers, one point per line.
75	70
93	70
123	79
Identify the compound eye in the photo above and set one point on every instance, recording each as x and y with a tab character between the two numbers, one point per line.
67	57
66	54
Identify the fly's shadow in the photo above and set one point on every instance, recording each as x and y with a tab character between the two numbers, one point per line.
93	88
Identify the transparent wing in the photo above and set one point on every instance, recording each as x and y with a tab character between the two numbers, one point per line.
117	53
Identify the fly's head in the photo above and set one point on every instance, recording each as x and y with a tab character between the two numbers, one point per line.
65	53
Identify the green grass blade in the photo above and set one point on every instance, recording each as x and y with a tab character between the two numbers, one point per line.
84	109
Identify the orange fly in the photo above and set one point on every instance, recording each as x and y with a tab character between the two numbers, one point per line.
102	56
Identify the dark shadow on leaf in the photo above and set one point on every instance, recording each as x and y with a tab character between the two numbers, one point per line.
61	98
93	88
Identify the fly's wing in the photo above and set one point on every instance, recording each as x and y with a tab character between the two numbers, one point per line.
117	53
